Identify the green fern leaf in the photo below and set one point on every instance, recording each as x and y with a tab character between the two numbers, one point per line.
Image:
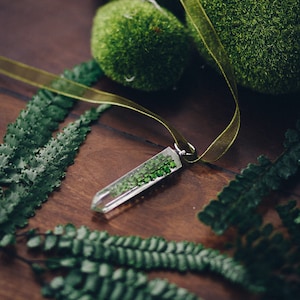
290	216
272	259
88	275
95	247
42	115
31	168
98	264
237	202
44	172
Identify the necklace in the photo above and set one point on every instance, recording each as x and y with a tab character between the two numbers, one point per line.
169	160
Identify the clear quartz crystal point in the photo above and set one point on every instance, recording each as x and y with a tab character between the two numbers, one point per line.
137	180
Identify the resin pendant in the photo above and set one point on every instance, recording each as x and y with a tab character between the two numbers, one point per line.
137	180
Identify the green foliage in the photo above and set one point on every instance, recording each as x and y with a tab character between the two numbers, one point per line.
261	39
139	44
272	258
32	162
40	118
151	170
105	262
237	202
290	215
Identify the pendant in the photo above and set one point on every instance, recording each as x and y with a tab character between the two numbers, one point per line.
139	179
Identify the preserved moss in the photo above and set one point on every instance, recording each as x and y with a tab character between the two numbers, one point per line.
262	39
140	44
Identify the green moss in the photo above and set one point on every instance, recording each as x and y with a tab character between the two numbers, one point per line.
262	39
139	44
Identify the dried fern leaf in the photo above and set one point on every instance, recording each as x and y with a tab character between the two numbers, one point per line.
35	124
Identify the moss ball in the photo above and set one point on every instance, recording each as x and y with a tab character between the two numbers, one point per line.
139	44
262	39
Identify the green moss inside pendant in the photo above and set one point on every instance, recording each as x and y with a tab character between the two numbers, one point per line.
139	44
136	181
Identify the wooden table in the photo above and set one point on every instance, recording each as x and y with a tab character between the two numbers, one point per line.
55	35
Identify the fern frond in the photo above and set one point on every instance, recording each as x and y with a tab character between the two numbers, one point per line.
290	216
272	259
43	173
35	124
134	252
101	281
237	202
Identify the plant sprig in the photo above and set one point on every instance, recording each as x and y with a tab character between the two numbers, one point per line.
35	124
32	162
237	202
269	256
106	259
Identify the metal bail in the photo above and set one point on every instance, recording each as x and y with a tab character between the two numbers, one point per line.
190	157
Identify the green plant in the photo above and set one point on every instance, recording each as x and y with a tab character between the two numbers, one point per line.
139	44
237	203
261	39
271	257
160	166
97	263
32	162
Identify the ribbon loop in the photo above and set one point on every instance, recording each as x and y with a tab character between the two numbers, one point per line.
206	32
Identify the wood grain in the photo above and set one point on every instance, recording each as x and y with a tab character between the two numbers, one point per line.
54	35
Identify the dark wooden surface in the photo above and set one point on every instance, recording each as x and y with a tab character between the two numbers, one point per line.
55	35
